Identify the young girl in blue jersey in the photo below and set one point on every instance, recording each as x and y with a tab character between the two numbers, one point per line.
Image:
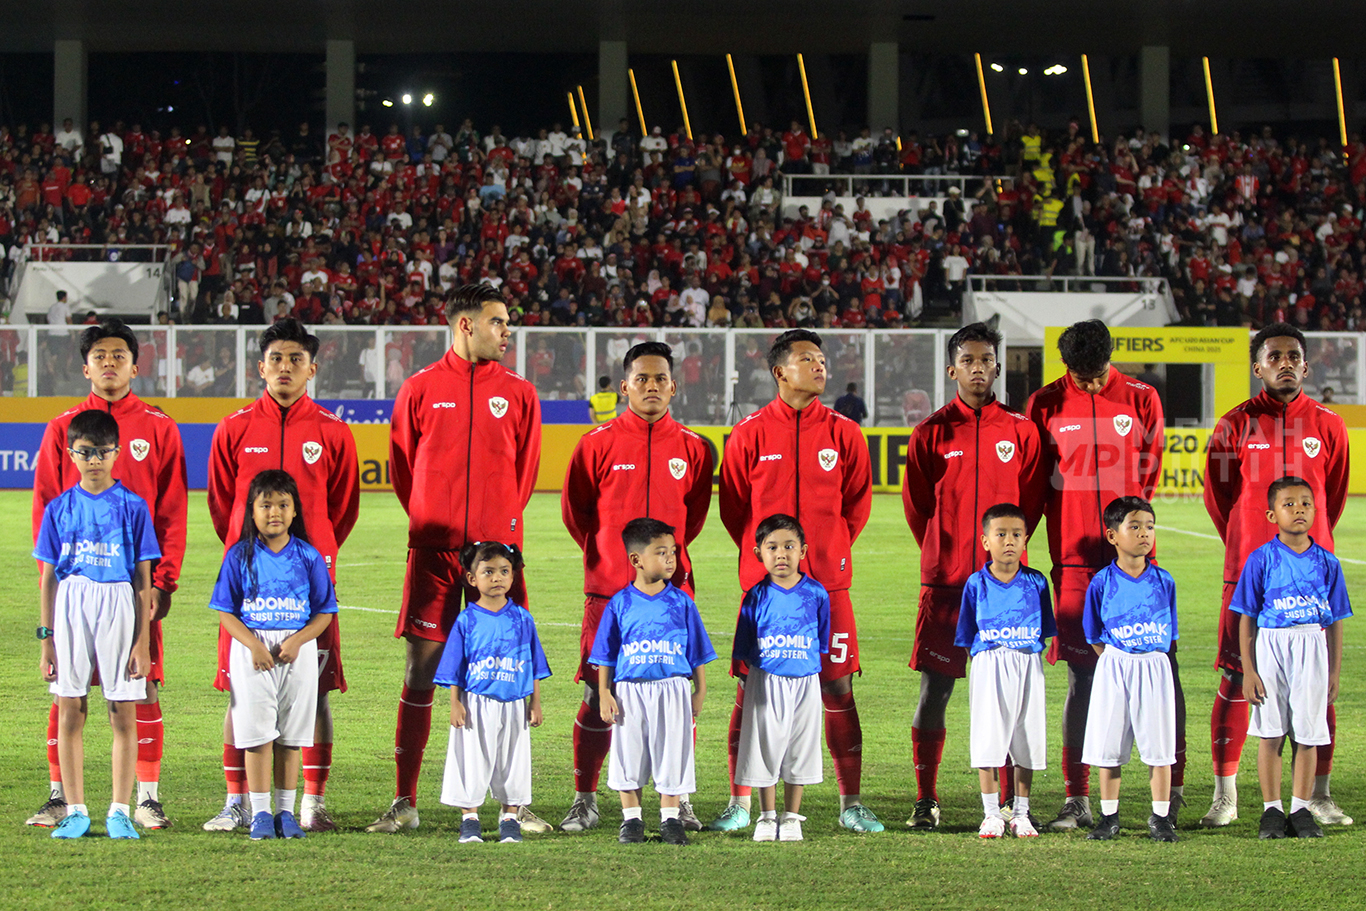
275	598
1293	600
493	663
782	631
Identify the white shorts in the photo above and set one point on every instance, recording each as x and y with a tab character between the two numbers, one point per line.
275	706
1133	702
780	730
93	627
653	737
1006	705
1293	665
491	753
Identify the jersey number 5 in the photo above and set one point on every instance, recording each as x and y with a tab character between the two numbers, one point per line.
839	648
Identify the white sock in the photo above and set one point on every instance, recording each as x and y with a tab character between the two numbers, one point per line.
234	800
630	813
1162	807
1109	807
57	792
147	790
1320	785
1226	786
667	813
738	801
310	803
789	816
78	808
588	797
1021	806
768	814
470	815
1273	805
506	815
1298	803
284	800
850	800
991	804
118	808
260	802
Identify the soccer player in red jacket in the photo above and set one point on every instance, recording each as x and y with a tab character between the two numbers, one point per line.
797	456
285	429
1278	432
464	447
1102	435
962	460
152	465
640	464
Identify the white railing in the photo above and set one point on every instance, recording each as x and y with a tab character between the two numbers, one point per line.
907	185
42	252
1144	284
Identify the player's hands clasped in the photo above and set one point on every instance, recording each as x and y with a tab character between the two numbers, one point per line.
287	651
261	658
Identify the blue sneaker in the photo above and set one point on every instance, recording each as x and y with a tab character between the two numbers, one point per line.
73	825
860	819
286	826
262	826
509	831
470	832
120	826
732	818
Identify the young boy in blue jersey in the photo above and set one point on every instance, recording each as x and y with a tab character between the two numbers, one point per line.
97	546
1293	600
649	642
275	598
1130	620
1005	621
783	630
493	662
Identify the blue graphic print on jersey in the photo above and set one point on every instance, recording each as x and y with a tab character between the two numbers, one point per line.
289	589
1133	615
493	653
101	537
1017	616
1282	588
651	637
784	631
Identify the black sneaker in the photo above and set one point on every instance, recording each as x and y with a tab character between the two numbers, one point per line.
1302	824
1107	827
1273	824
671	832
632	832
1160	828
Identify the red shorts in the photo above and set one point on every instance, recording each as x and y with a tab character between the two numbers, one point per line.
1230	646
936	625
593	606
330	674
434	590
843	658
1069	602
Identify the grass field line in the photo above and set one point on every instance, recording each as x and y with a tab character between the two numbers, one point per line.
1201	534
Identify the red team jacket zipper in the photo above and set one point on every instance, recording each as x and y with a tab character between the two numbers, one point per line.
977	468
649	464
798	513
469	455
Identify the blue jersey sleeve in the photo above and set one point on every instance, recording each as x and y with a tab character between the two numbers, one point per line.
48	548
1171	602
144	535
607	644
227	591
823	623
1250	593
540	667
322	595
746	644
700	651
966	633
1338	601
1048	625
451	670
1092	623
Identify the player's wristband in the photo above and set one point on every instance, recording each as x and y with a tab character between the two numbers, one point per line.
44	632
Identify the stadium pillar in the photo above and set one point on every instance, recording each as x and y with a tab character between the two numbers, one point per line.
1155	88
69	84
612	86
341	84
884	86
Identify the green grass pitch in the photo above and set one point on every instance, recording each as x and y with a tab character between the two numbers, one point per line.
187	868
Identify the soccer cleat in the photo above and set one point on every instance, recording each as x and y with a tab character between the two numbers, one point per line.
286	826
1160	828
671	832
766	830
1075	814
1327	812
860	819
470	832
1023	827
509	831
402	815
73	825
1223	811
532	823
632	832
49	814
1301	824
732	818
582	816
1273	824
686	815
925	816
790	829
262	826
317	820
233	816
1106	829
992	827
150	815
118	825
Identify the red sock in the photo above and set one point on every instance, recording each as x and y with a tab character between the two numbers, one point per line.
1006	781
1179	767
235	769
54	765
844	739
317	766
927	751
1076	775
592	742
733	741
151	739
1228	727
410	739
1325	753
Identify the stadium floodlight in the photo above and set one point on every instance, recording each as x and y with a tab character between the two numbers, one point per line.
1023	72
1056	69
427	99
407	98
997	68
388	102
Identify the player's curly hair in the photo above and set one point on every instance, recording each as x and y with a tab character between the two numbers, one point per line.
1275	330
1085	347
782	345
974	332
108	328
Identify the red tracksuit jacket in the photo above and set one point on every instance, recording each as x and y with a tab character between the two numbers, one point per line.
627	469
812	464
959	464
1096	448
1256	443
306	440
151	464
464	447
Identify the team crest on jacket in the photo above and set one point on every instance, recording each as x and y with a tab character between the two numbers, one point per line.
1005	450
312	452
828	458
677	467
139	449
498	405
1123	424
1312	445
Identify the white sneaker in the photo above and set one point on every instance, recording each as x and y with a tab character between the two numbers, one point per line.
991	827
230	818
766	830
532	823
49	814
150	815
401	815
790	829
1223	811
686	816
582	816
1021	827
1075	814
1327	812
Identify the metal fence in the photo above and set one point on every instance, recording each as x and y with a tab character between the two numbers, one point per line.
874	184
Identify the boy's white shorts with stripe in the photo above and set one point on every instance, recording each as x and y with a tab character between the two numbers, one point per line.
279	705
490	754
1006	705
780	730
1133	702
93	627
1293	665
653	737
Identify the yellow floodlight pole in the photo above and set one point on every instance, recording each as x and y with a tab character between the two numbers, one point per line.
1342	114
587	121
682	102
982	84
644	130
573	111
1209	92
740	108
1090	99
806	90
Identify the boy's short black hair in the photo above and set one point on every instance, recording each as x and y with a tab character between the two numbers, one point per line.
469	300
108	328
1085	347
1275	330
974	332
1002	511
1121	506
476	552
782	345
638	533
289	330
1282	484
647	349
95	427
604	382
779	521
